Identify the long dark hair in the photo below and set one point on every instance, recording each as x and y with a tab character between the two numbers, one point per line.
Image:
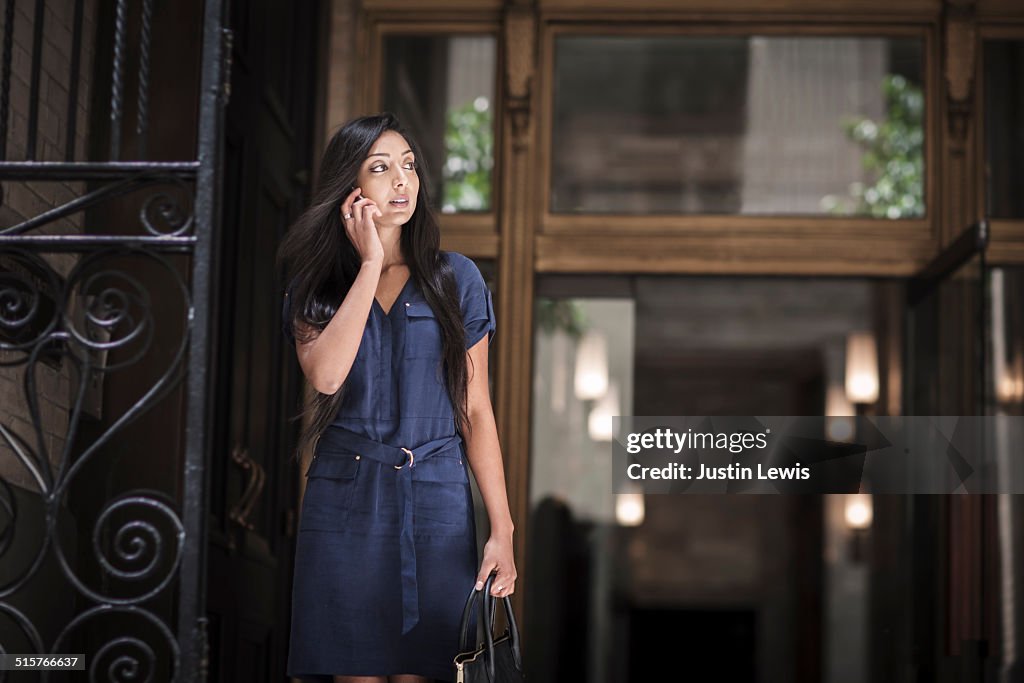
321	263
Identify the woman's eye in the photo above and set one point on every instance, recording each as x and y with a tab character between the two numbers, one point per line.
410	165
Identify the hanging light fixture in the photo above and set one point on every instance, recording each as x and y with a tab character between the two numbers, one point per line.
591	379
599	422
858	511
629	506
861	368
839	414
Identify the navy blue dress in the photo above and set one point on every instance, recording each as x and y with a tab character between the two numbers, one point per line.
386	547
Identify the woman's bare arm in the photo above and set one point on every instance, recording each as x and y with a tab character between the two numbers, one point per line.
484	453
327	358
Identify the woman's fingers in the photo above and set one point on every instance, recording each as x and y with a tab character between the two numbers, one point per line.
359	215
368	208
504	583
354	204
347	204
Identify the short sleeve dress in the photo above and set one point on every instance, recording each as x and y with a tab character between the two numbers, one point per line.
386	544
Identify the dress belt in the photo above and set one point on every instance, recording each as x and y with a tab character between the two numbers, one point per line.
403	460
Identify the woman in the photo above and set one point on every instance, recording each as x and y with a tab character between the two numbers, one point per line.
393	334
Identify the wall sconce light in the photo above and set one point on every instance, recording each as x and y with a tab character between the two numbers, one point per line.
840	423
1010	381
858	512
629	508
861	368
599	422
591	379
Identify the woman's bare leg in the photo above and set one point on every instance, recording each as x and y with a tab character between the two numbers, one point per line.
407	678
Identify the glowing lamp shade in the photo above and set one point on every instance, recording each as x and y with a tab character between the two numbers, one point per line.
858	511
629	509
1010	381
591	380
599	422
1008	389
861	368
840	424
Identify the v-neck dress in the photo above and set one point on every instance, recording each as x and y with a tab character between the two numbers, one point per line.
386	545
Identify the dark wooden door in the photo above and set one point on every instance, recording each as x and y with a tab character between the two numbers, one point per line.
269	147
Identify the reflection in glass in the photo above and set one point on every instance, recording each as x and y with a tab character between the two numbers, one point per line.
442	89
1004	134
738	125
1005	375
944	329
1006	340
624	587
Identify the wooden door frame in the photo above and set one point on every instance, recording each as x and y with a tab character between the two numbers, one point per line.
526	240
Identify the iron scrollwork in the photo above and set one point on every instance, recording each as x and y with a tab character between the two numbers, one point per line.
137	538
76	310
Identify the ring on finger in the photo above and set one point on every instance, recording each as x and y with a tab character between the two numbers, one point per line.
347	216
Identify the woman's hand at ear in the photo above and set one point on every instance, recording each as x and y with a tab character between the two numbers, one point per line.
360	228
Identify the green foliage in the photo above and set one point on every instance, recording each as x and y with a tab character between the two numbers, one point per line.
553	314
469	141
893	156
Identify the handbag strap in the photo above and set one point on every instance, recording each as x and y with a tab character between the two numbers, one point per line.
487	617
467	611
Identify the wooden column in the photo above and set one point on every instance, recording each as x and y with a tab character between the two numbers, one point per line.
958	201
516	221
967	517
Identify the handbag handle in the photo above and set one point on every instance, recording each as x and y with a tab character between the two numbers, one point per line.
487	616
464	644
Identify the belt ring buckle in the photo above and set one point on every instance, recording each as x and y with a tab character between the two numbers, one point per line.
412	459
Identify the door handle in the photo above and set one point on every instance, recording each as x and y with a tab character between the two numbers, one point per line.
241	510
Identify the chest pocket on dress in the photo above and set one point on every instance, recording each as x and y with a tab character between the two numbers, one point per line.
422	331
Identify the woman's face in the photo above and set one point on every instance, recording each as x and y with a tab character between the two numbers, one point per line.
388	177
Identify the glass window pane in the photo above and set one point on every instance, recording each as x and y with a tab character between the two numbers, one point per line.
738	125
442	89
1006	340
1004	108
658	579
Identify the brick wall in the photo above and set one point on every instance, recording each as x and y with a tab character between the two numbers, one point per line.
23	200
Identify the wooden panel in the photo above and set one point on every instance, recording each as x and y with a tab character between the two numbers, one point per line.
1000	8
472	244
1006	239
1000	28
877	9
775	226
1006	243
731	255
517	163
433	6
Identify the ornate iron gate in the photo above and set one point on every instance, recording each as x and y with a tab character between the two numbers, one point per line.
77	306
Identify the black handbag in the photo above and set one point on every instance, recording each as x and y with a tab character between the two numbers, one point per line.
497	660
